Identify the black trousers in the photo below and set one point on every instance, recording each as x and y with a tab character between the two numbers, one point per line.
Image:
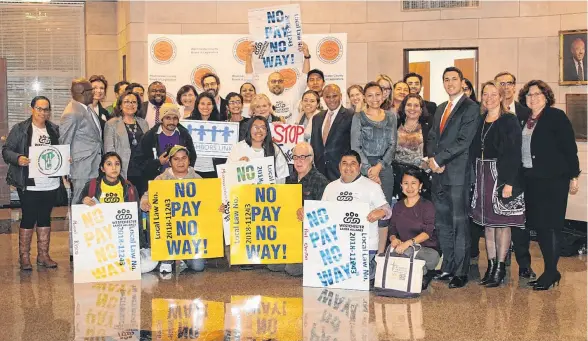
521	239
546	201
452	225
36	207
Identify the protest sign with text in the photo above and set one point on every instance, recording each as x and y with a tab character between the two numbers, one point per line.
264	227
336	253
277	34
255	171
187	319
48	161
287	136
106	242
212	139
185	222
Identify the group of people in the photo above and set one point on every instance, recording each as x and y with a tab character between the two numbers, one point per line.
432	175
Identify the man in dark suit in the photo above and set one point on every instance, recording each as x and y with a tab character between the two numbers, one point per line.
415	84
151	110
211	84
575	66
331	133
455	125
520	236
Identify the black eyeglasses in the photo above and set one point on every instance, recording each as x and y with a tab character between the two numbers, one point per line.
300	157
39	109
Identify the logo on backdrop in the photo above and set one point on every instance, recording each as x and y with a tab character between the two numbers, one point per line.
49	161
169	98
290	77
329	50
163	50
198	73
240	50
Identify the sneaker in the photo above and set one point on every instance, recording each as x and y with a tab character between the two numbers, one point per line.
165	268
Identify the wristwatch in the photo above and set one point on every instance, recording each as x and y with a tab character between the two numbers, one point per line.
413	242
307	57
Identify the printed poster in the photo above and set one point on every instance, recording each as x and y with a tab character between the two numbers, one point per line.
48	161
255	171
106	242
287	136
185	222
264	226
195	319
212	139
277	34
336	252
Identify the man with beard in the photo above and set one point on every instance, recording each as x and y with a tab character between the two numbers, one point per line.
157	142
415	84
151	110
285	101
211	84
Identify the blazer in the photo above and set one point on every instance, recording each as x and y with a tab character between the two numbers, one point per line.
116	139
143	112
553	146
431	107
522	112
570	71
327	156
78	129
451	148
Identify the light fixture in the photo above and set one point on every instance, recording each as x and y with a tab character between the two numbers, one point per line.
36	86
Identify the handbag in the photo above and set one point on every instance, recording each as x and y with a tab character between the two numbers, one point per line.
398	275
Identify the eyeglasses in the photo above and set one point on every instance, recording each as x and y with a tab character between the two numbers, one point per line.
507	84
234	102
386	89
209	85
300	157
47	110
130	103
466	89
534	95
259	128
277	81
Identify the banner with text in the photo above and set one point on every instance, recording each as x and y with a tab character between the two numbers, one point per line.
212	139
106	242
264	227
185	222
287	136
187	319
177	60
108	311
49	160
336	253
277	34
256	171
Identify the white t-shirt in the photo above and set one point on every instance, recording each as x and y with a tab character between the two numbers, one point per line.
242	149
41	138
361	190
286	103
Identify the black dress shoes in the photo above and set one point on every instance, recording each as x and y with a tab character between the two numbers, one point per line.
527	273
444	276
458	282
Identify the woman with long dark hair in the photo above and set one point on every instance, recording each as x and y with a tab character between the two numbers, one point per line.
468	90
311	102
247	91
206	110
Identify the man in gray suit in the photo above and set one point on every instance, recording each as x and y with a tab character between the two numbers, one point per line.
80	128
455	125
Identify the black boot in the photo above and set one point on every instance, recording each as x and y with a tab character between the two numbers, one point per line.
498	276
427	278
492	264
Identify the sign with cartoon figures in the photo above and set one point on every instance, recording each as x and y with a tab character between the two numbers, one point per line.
105	242
212	139
48	161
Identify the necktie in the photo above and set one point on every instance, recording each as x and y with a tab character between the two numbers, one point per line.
580	72
445	116
157	120
327	127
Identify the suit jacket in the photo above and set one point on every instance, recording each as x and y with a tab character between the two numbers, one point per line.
431	107
553	146
570	69
78	129
327	157
522	112
143	112
116	139
223	110
451	148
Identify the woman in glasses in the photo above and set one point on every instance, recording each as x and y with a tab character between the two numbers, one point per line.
37	196
123	135
385	82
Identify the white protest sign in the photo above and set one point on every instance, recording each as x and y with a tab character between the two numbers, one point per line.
335	314
212	139
47	161
106	242
287	136
255	171
277	33
335	245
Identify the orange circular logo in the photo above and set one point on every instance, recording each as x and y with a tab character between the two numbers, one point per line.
169	98
290	77
198	73
163	51
329	50
240	50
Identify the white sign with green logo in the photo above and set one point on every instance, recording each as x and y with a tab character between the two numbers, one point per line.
48	161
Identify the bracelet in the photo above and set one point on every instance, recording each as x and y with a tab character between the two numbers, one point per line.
307	57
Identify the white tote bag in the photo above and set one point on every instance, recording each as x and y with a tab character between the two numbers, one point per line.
398	275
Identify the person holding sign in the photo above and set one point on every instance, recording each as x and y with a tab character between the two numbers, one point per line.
413	222
247	91
206	110
353	187
179	161
286	102
37	196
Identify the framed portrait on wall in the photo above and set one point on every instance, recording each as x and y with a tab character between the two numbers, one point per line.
572	57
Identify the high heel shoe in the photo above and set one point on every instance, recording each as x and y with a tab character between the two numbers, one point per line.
546	285
492	264
535	282
498	277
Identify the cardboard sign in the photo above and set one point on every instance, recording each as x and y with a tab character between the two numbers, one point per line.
287	136
48	161
212	139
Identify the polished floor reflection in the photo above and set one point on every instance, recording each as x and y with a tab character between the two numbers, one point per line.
222	304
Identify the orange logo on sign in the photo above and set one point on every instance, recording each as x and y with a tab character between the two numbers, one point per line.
240	49
198	73
163	51
329	50
290	77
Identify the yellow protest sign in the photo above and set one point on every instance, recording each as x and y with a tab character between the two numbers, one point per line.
187	319
185	222
264	227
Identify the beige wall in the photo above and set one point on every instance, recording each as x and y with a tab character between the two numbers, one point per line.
521	37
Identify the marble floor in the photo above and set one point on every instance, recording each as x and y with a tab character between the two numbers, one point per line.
233	304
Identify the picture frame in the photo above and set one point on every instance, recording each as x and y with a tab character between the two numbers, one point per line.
570	48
